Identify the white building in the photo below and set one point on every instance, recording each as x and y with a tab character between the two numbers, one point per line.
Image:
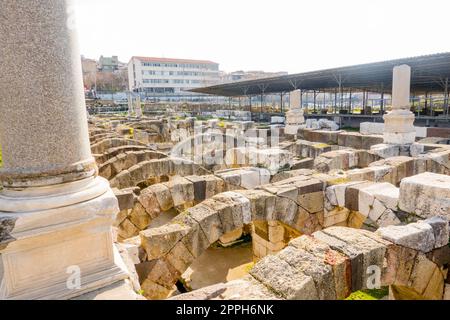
165	79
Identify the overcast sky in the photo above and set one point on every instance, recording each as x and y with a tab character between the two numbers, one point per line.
277	35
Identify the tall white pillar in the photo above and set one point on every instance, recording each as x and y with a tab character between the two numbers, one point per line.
399	123
55	212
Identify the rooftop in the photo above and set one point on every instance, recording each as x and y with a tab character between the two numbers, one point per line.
430	73
173	60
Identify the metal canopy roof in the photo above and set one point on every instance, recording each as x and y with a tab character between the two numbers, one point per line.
429	73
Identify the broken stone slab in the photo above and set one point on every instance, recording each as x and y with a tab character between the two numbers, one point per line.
157	242
385	150
440	226
209	221
426	194
362	248
418	236
314	267
282	278
339	263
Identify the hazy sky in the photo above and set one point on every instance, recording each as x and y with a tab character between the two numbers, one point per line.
277	35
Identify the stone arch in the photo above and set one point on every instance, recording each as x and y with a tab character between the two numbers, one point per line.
156	168
105	144
293	202
126	160
180	193
332	263
112	152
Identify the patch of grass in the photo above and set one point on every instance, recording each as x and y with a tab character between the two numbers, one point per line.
320	145
369	294
338	181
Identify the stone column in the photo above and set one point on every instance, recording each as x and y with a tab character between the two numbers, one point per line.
55	212
295	116
138	108
130	104
399	123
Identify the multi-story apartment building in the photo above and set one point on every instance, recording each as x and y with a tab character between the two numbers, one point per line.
165	79
108	64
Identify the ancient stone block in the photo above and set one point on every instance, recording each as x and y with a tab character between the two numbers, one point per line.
280	277
157	242
415	236
314	267
426	195
208	220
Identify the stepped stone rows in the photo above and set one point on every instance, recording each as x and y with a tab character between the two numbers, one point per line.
297	199
332	263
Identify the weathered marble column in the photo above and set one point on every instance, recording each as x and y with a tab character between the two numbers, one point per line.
399	123
130	104
55	212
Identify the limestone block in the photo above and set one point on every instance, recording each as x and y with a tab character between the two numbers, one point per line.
340	191
440	230
352	195
339	263
388	218
285	210
251	178
182	191
276	233
314	267
363	250
386	196
127	229
139	217
335	216
385	150
208	220
214	185
230	237
425	281
371	128
415	236
262	204
312	202
147	199
246	288
157	242
195	241
125	198
160	272
180	257
426	195
199	187
229	211
163	196
279	276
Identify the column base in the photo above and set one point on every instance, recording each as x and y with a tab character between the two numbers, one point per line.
399	127
44	253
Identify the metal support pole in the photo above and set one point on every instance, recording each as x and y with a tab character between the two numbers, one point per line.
335	101
446	111
350	102
281	102
301	99
314	92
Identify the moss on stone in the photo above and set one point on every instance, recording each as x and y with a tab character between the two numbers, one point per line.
338	181
369	294
320	145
